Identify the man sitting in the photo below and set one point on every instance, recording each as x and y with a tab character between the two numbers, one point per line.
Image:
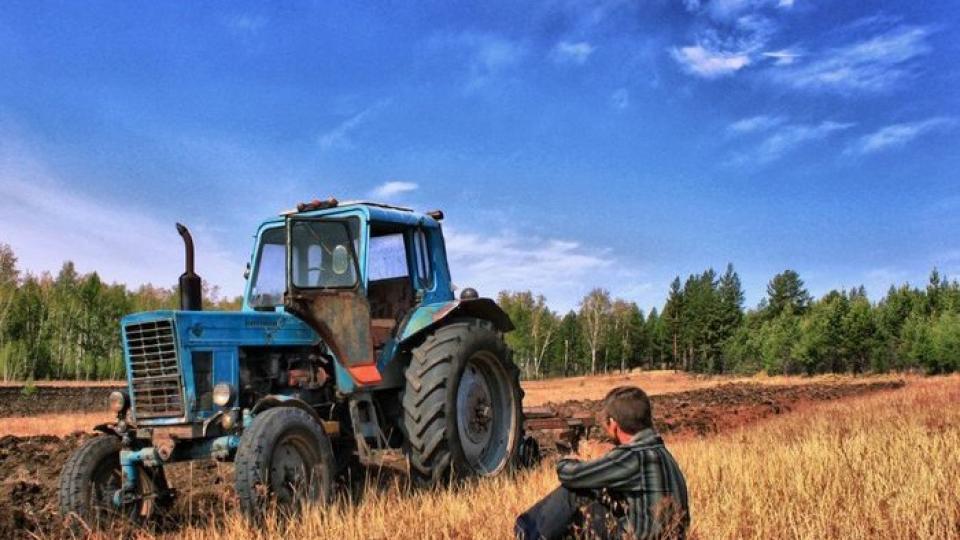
635	490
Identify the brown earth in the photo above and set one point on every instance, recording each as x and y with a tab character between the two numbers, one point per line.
711	410
30	466
31	401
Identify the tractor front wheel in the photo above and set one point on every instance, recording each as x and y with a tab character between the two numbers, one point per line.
284	458
462	404
90	480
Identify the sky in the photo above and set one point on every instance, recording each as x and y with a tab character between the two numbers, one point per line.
571	144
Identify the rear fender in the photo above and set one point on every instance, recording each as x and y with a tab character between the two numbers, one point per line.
430	316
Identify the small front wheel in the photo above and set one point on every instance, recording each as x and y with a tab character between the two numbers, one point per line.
284	458
89	480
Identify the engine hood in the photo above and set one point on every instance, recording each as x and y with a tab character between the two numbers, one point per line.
231	328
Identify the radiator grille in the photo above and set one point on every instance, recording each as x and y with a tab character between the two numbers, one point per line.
154	369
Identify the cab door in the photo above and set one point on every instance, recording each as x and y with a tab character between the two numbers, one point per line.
324	288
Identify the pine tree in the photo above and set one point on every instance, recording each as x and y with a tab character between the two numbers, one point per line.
786	289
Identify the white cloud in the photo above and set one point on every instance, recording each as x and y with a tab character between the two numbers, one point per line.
755	124
562	270
788	138
897	135
620	99
709	64
566	52
47	222
392	189
783	57
876	64
339	136
487	58
725	10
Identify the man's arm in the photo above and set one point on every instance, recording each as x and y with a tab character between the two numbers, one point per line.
618	468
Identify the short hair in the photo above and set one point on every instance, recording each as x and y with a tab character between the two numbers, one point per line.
630	407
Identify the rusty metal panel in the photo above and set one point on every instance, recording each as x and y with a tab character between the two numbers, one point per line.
342	318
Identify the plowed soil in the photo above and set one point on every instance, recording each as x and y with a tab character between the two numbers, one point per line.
23	401
30	466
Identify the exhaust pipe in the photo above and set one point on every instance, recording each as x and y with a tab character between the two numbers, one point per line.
191	286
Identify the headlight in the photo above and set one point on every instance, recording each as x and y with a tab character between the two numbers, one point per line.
229	420
118	401
222	394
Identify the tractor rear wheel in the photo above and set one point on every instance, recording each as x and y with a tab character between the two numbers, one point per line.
462	404
284	458
92	476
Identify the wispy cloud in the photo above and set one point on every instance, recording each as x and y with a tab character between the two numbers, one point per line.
122	243
786	139
393	188
567	52
897	135
755	124
724	49
493	262
724	10
245	24
875	64
707	63
339	136
783	57
484	59
620	99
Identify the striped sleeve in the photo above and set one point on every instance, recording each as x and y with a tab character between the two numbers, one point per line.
617	469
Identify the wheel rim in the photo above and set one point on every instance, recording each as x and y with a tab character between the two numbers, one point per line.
291	469
486	414
106	480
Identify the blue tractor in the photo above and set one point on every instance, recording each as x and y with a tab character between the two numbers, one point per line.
350	346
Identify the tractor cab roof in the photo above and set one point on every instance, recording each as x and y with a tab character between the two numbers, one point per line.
375	211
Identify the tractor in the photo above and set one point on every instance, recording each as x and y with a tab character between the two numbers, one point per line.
350	345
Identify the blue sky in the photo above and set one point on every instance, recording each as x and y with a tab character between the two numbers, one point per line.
571	144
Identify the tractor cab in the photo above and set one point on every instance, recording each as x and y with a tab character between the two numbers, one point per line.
357	273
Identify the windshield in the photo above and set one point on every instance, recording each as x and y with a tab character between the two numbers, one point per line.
268	278
324	254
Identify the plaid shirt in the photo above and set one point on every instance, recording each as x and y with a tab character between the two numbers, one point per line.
640	476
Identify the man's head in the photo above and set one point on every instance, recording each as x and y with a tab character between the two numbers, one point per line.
627	411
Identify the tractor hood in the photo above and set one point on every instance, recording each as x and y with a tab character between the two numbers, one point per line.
174	358
230	328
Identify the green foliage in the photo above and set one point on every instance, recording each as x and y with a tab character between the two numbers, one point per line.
786	291
67	327
29	389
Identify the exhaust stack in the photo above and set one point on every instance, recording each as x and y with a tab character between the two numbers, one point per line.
191	286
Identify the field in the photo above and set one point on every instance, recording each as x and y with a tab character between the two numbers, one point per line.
829	457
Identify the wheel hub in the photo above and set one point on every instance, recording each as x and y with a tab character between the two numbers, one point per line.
287	471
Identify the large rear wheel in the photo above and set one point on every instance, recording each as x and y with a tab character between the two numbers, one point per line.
462	404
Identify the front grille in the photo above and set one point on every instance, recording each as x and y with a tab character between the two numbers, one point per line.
154	369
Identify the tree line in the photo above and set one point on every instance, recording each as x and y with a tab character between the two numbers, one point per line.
703	327
67	327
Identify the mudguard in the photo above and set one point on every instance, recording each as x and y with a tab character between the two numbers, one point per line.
430	316
279	400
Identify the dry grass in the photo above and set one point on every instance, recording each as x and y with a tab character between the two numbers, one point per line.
879	466
659	382
53	424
